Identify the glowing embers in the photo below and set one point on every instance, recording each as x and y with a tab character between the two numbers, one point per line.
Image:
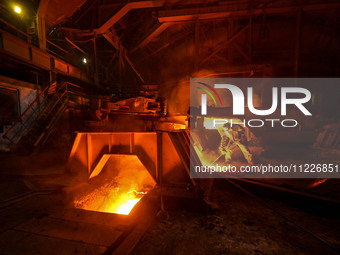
110	198
116	185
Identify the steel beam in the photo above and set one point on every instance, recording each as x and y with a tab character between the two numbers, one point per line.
224	44
75	45
241	51
23	51
41	23
153	34
129	6
114	40
217	12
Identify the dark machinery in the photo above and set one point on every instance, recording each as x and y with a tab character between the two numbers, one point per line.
143	106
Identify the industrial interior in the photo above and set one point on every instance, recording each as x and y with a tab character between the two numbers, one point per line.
96	133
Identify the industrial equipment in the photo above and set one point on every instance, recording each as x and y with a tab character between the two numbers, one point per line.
143	106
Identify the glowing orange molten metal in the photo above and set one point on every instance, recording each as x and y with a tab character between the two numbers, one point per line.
127	207
126	202
116	187
109	199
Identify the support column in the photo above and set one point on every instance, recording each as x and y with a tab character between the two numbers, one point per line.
95	59
41	23
297	44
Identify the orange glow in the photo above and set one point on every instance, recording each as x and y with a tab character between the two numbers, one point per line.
115	185
126	202
127	207
109	199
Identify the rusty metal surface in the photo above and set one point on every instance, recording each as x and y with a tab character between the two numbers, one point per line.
89	150
28	53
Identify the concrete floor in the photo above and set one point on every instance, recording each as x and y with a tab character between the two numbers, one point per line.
36	219
242	225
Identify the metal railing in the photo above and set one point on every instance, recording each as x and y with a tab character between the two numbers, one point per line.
36	123
22	123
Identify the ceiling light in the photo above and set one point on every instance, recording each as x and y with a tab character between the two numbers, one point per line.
17	9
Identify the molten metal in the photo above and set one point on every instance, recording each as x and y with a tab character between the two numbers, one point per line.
128	201
127	207
110	199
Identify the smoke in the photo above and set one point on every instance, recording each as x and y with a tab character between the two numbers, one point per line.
177	92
